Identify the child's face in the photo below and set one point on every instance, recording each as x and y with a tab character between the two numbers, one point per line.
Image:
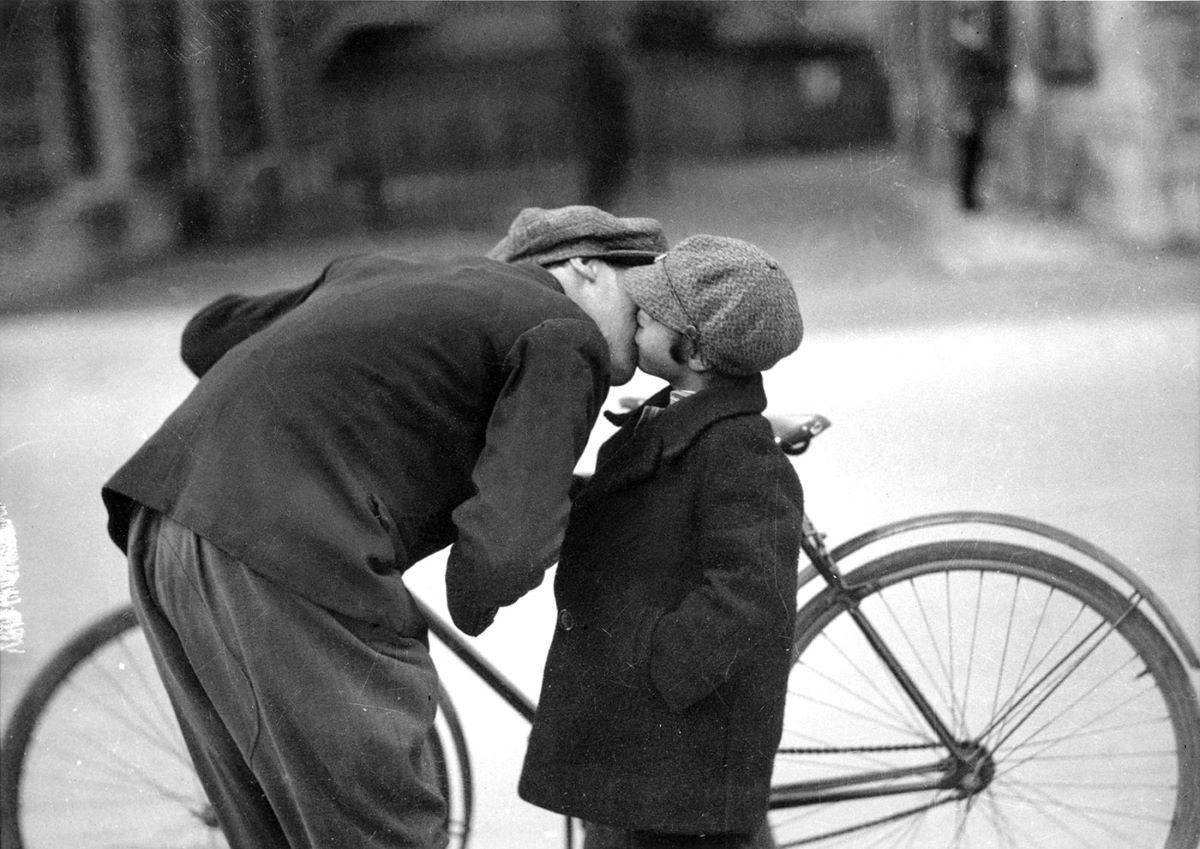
656	343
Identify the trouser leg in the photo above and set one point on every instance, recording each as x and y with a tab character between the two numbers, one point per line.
243	810
970	166
307	729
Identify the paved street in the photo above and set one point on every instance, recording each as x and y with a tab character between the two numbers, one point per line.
991	363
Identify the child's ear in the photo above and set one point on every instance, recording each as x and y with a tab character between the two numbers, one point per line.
690	350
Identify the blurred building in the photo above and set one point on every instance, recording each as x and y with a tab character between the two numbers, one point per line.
1101	107
133	127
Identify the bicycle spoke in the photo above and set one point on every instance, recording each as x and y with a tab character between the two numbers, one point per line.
891	818
111	766
1016	696
1021	676
1008	633
880	721
128	712
957	719
147	675
1093	785
1001	824
1075	736
896	704
1095	819
1082	726
1055	687
1019	697
919	656
963	731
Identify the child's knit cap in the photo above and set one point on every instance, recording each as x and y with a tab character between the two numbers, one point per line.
731	298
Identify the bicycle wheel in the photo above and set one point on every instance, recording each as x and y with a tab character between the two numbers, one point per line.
93	756
1081	722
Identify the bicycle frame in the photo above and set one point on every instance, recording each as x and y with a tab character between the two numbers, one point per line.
964	761
958	769
948	772
493	677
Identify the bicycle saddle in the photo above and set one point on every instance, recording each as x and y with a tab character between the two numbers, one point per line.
793	433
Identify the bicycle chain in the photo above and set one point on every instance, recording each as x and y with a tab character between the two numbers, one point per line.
844	750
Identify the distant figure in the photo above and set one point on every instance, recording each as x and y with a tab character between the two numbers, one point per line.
604	137
979	79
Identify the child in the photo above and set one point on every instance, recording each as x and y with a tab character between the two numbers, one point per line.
662	699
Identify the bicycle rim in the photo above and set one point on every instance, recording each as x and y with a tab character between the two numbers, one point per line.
94	757
1087	722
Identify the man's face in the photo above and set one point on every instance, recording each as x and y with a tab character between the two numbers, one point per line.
614	311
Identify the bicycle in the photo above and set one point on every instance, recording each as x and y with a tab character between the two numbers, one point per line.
1016	688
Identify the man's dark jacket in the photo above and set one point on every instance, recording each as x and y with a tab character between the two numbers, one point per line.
346	429
662	699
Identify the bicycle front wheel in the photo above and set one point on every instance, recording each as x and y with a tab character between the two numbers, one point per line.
93	756
1081	723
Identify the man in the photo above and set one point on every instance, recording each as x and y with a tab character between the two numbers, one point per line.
339	433
979	91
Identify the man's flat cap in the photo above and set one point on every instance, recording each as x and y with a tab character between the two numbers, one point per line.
547	236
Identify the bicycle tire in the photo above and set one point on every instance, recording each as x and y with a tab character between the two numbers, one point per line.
1091	741
93	755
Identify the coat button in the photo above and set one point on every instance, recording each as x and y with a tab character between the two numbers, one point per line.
565	620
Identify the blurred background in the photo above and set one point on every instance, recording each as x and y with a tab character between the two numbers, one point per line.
135	127
991	212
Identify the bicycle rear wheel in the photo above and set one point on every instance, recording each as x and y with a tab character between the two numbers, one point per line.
1084	722
93	756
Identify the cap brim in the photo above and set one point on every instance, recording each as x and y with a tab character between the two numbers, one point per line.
628	257
650	290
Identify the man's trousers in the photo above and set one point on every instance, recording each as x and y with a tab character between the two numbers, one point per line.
307	729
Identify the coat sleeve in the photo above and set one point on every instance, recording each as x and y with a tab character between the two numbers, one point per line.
748	516
510	531
234	318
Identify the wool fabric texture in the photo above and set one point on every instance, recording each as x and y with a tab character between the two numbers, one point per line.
728	295
547	236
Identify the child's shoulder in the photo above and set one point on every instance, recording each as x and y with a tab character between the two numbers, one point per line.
745	432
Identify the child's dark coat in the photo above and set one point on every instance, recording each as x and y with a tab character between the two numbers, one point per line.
662	700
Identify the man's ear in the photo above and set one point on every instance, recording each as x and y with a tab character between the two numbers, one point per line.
585	268
697	363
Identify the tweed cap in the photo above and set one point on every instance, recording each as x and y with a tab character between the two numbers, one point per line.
547	236
728	295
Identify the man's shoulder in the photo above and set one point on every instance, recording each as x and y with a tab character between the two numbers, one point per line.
489	292
398	264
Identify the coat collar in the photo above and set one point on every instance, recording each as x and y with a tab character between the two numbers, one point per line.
635	451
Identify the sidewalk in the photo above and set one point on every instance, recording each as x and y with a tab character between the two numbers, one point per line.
868	242
871	243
